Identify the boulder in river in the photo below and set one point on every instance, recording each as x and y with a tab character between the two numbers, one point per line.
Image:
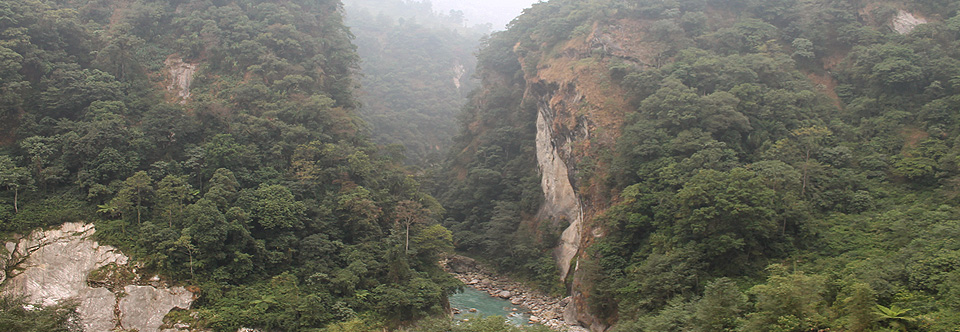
505	294
461	264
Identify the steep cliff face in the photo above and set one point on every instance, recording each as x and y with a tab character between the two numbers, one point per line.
272	83
580	112
48	267
458	71
906	21
637	105
180	78
580	115
561	203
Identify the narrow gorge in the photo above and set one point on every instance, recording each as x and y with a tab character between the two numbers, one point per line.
596	166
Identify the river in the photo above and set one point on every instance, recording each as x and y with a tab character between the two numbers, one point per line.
532	305
486	305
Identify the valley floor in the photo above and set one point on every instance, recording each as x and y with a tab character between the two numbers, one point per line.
544	309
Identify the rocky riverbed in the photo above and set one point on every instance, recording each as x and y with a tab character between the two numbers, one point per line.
546	310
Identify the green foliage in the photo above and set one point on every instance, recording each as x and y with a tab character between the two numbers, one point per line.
803	47
496	184
111	276
915	168
787	302
14	178
258	189
857	303
722	303
672	317
732	215
274	207
135	190
761	132
894	316
16	315
44	211
273	304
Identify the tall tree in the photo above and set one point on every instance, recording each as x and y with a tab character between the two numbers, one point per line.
14	178
407	214
172	195
136	189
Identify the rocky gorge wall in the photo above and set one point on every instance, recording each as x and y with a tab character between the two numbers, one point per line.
180	78
580	112
561	203
51	266
563	128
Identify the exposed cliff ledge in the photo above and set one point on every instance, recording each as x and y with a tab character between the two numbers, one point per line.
905	22
560	201
51	266
180	78
579	114
562	129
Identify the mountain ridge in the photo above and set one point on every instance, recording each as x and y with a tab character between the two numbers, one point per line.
652	105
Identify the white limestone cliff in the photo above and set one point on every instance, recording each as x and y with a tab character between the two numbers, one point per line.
180	78
905	22
458	71
50	266
560	200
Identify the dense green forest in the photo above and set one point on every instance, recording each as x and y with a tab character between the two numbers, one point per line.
257	186
787	165
781	165
417	68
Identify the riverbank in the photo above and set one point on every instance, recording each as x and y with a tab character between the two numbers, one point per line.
545	310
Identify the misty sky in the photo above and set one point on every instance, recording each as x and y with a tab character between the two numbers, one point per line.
498	12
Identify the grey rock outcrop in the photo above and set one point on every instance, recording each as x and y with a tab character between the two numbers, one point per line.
53	265
905	22
97	309
181	77
460	264
143	307
560	200
458	71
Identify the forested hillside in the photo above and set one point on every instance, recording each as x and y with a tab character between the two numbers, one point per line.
672	165
217	143
737	164
417	69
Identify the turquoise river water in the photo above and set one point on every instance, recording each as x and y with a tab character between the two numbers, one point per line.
486	305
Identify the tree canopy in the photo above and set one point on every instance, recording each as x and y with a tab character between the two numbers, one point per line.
775	166
218	143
